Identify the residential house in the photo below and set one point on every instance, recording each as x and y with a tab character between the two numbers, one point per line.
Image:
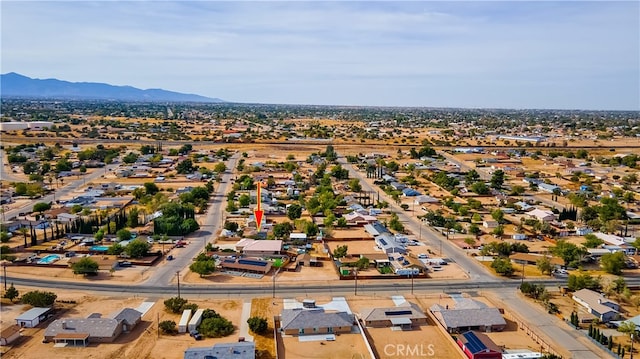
490	224
425	199
597	304
239	350
404	317
542	215
302	321
410	192
551	188
477	345
258	248
246	264
533	258
389	244
469	314
356	218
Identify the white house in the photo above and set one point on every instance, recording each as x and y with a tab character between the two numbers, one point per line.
603	308
542	215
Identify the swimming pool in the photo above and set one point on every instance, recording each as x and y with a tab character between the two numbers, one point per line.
99	248
49	259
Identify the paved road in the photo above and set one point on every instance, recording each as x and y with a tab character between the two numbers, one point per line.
428	235
553	328
68	188
162	276
5	170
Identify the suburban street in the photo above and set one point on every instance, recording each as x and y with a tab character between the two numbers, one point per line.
161	279
162	276
68	188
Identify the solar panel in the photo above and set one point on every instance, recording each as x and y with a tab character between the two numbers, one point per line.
474	343
398	312
384	243
251	262
229	260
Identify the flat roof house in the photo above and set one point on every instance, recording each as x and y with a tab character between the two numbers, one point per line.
33	317
94	329
301	321
246	264
404	317
239	350
258	248
542	215
469	314
603	308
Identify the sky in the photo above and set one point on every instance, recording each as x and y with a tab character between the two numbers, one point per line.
479	54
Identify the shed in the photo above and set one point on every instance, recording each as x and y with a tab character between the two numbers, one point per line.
9	334
33	317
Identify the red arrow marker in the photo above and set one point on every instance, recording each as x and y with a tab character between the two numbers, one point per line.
258	213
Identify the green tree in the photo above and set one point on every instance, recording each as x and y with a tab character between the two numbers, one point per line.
497	179
115	249
258	325
151	188
231	206
395	224
363	263
244	200
282	229
11	293
544	265
613	263
175	304
480	188
472	176
340	251
584	280
502	266
294	211
216	327
41	207
4	237
569	252
354	185
498	215
203	268
38	298
123	235
231	226
591	241
137	248
220	167
85	266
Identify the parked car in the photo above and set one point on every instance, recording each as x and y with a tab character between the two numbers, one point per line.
124	264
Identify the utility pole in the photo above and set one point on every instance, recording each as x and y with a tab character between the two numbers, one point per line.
355	288
4	267
178	275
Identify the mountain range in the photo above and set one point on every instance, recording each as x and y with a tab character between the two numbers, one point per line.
16	85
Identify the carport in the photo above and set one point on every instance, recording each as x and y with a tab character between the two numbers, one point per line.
74	339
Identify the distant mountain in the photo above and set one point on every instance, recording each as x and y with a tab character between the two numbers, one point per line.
16	85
